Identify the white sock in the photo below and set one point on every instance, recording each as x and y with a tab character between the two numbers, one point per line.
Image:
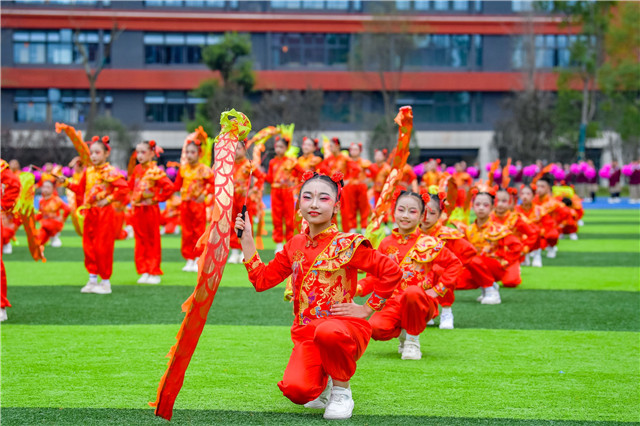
446	309
93	278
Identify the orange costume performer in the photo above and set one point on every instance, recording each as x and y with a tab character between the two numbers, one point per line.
379	174
149	185
498	249
555	210
170	216
193	182
426	264
282	175
243	169
52	215
354	195
547	230
409	181
324	271
99	183
10	192
521	227
465	252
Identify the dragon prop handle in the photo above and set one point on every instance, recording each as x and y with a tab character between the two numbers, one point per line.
235	126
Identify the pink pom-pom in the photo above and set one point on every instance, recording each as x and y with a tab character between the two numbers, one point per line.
171	173
38	175
583	166
574	168
559	174
554	169
473	172
529	171
497	174
25	169
451	170
67	172
627	170
161	167
605	172
513	170
124	173
419	169
590	173
487	167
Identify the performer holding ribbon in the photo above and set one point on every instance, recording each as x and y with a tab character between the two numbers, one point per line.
330	331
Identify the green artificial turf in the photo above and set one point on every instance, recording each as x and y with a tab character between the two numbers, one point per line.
562	349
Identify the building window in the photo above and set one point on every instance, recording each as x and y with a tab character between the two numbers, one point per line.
169	106
309	49
446	51
65	2
177	48
532	6
551	51
56	47
444	107
427	5
316	4
218	4
53	105
336	107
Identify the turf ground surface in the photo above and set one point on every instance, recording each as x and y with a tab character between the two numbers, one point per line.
562	349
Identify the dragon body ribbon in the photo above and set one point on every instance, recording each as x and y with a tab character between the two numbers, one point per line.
24	207
76	139
399	156
235	125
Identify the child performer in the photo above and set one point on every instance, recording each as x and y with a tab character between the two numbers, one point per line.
497	247
99	186
330	332
520	226
547	231
430	271
149	185
170	216
243	169
194	181
454	240
281	176
615	185
10	192
308	160
53	213
354	198
551	207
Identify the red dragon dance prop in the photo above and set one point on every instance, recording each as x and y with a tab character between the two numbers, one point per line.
235	126
24	208
399	156
76	139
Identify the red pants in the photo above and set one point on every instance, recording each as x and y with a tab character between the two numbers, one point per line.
447	300
170	224
98	240
4	302
324	347
481	271
121	234
549	237
354	200
570	229
238	203
49	228
410	311
282	209
146	229
193	219
511	277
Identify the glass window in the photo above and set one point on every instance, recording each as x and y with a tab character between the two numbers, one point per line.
443	107
177	48
403	4
309	49
169	106
313	4
460	5
46	106
440	5
421	5
55	47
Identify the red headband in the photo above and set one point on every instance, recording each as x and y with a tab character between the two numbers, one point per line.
196	142
336	177
104	140
335	140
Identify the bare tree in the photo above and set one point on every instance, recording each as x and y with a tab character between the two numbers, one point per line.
93	70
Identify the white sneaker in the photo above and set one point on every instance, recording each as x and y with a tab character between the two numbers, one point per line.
340	404
527	260
234	257
103	288
279	247
552	252
177	231
129	230
55	241
189	266
153	279
194	265
321	401
581	222
162	231
401	339
88	288
431	322
412	348
446	319
491	296
573	236
7	248
479	298
3	315
537	259
561	237
144	279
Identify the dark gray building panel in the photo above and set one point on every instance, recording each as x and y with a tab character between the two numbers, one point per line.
496	53
128	107
128	50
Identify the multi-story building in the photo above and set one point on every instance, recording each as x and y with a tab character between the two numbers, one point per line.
467	56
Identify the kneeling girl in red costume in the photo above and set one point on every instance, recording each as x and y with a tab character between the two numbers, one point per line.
194	181
99	185
547	232
10	187
330	332
149	185
523	228
53	213
498	249
456	243
429	272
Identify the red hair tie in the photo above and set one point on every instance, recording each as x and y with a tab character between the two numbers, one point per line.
337	178
104	140
316	141
425	197
156	148
443	199
474	191
533	186
335	140
307	175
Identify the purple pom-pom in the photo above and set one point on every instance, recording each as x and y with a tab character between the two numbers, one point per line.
473	172
590	173
67	172
627	170
513	170
38	175
451	170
